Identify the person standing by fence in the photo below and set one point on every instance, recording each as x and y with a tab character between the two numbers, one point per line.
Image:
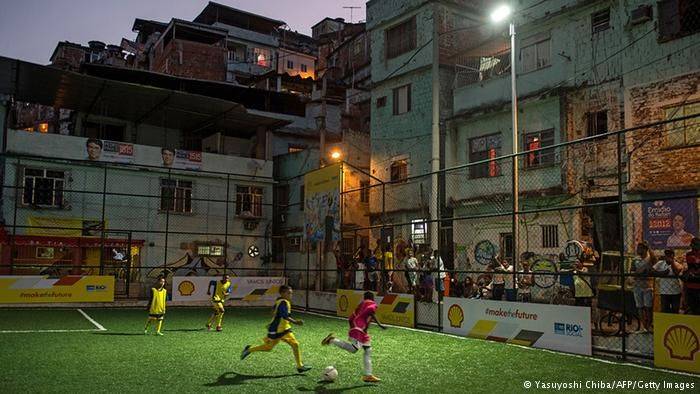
692	278
643	290
669	288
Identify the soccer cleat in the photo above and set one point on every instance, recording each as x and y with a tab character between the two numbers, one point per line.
218	328
208	327
145	332
246	352
303	369
327	340
160	334
371	379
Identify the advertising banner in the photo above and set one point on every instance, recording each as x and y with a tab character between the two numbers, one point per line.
41	289
670	224
677	342
395	309
254	289
182	159
63	227
111	151
322	203
555	327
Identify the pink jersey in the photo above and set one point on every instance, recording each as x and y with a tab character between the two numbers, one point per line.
359	321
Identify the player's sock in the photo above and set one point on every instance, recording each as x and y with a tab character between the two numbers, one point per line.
211	320
368	360
158	326
297	356
219	319
148	323
343	345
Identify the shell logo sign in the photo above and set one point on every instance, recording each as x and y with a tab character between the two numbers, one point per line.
681	343
456	316
676	343
186	288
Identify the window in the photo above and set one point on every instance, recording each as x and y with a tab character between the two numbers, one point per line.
358	46
262	57
381	102
678	18
44	253
537	140
294	244
683	132
364	192
176	196
43	187
399	171
600	21
282	202
347	247
597	123
104	131
290	64
304	68
535	53
506	246
419	231
249	200
550	236
210	250
294	148
484	148
231	56
402	99
401	39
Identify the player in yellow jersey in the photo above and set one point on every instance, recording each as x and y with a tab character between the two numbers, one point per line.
156	306
280	329
222	288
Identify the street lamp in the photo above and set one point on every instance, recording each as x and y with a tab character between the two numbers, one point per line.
335	155
502	13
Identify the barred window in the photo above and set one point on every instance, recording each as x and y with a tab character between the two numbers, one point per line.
678	18
43	187
597	123
600	20
401	38
399	171
483	148
538	140
683	132
550	236
402	99
419	231
364	192
210	250
176	195
249	201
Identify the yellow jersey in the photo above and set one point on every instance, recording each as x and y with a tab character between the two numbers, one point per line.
280	326
157	303
222	291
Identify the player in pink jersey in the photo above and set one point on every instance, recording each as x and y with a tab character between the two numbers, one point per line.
359	324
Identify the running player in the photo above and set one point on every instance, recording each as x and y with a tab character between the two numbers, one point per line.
222	288
359	324
280	329
156	306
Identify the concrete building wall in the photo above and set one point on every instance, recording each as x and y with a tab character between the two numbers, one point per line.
191	59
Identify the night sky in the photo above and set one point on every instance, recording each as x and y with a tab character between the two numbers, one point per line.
30	29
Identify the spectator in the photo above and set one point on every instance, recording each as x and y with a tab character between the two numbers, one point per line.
399	277
643	291
669	288
427	283
510	287
526	279
341	268
583	291
412	271
372	273
498	282
441	274
692	278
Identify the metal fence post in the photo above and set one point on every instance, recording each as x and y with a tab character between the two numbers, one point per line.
621	217
226	210
102	220
18	172
167	222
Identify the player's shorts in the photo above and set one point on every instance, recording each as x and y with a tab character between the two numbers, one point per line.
218	305
156	316
287	337
359	336
643	298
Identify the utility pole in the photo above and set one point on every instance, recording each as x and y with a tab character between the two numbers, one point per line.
351	8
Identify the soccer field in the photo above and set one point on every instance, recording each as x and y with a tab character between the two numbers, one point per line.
105	350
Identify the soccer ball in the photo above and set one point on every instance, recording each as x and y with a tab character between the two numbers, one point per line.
330	374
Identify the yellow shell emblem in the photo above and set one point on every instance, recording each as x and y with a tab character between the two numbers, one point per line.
681	342
456	316
343	303
186	288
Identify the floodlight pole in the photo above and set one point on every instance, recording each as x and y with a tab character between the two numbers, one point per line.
516	180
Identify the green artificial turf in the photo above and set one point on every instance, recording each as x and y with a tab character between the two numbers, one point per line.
189	359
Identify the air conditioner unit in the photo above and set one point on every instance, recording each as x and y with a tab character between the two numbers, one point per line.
641	14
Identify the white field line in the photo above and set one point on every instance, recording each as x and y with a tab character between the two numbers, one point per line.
36	331
91	320
527	347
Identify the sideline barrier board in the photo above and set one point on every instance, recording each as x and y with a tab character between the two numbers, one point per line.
40	289
263	290
395	309
677	342
555	327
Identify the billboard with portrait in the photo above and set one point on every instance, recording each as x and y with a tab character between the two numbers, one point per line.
322	203
670	224
181	159
110	151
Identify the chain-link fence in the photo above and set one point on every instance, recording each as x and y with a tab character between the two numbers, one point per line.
602	222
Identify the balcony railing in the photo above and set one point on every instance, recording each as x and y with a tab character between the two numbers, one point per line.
474	69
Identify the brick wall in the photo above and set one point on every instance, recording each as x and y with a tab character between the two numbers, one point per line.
192	60
654	165
69	58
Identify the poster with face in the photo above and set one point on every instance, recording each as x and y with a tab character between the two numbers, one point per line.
111	151
670	224
181	159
